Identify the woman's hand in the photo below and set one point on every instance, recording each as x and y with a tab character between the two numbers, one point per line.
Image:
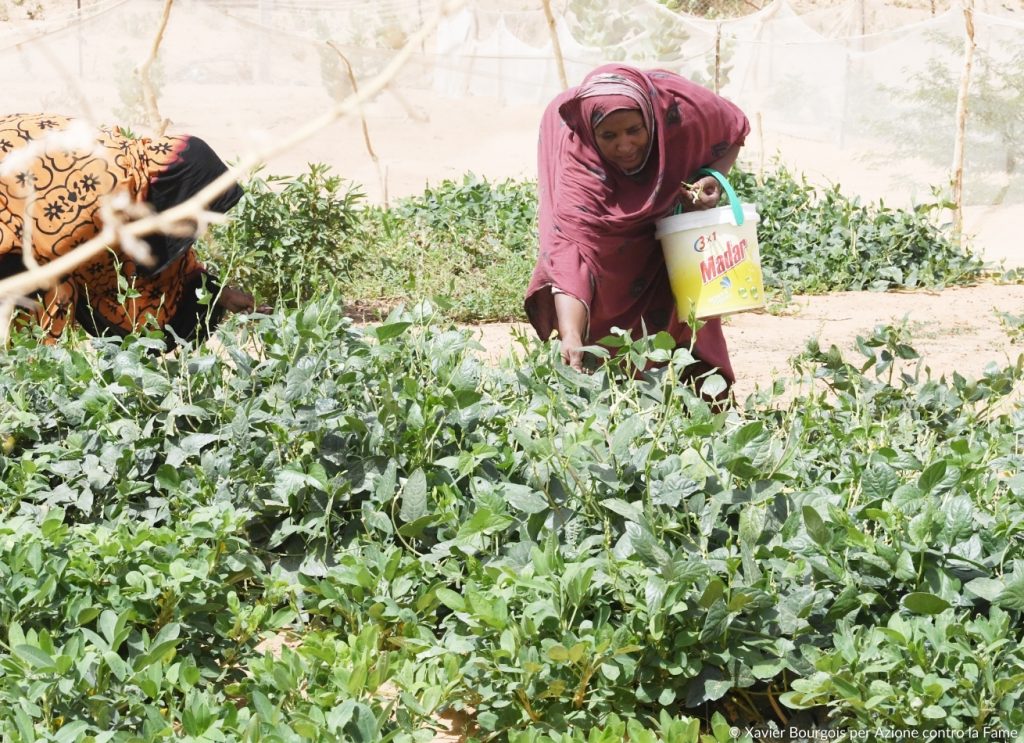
704	193
235	300
572	353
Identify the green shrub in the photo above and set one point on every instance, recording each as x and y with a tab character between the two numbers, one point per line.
815	241
953	671
472	243
287	239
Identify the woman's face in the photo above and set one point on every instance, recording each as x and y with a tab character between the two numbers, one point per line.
622	139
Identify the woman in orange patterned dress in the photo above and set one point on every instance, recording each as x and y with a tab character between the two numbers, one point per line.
56	172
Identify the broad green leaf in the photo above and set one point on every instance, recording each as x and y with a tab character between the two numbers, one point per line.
366	729
625	434
264	708
610	671
392	330
798	700
15	635
920	528
716	622
35	657
932	476
988	589
738	600
906	571
415	528
921	602
117	665
558	653
879	481
629	511
646	545
816	528
960	522
751	433
714	591
525	499
484	521
713	386
414	497
906	497
168	478
752	521
289	481
299	380
384	490
24	723
451	599
164	642
194	443
339	717
1012	597
71	732
654	594
721	728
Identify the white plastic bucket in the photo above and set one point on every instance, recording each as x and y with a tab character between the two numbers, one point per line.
713	262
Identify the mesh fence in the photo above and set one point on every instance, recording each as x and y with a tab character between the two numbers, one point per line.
855	92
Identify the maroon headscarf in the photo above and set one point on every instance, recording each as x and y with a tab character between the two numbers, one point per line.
596	222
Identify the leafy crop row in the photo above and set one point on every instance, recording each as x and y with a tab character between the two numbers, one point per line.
564	555
473	244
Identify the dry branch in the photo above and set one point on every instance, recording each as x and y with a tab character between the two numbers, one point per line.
961	120
156	122
362	120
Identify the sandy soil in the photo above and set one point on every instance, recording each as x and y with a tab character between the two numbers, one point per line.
953	330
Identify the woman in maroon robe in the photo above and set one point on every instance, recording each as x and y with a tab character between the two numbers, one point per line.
613	155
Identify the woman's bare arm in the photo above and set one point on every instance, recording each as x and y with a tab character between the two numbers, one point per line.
572	322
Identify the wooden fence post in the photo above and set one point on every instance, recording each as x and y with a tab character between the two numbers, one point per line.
556	46
961	121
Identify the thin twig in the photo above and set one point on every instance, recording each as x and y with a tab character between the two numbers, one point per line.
362	119
156	122
775	706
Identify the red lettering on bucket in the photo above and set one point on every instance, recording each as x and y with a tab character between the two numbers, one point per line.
715	265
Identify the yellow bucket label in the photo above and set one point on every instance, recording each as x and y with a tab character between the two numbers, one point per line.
713	269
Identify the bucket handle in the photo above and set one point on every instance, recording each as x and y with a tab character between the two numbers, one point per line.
734	200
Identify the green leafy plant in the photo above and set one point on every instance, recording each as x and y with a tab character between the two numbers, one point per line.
815	241
472	243
937	671
288	237
1013	324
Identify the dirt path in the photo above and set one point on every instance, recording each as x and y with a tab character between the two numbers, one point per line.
954	329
